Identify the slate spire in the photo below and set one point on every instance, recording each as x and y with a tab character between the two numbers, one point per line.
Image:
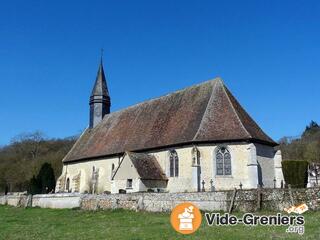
100	87
100	99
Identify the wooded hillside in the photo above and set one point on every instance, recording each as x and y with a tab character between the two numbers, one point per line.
306	147
24	156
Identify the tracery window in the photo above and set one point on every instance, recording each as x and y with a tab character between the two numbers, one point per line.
223	161
174	164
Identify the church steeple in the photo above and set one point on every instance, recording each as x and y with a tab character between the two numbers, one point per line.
100	99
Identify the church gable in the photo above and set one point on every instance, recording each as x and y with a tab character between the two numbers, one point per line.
125	170
205	112
139	165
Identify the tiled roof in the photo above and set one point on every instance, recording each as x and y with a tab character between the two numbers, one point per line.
147	166
206	112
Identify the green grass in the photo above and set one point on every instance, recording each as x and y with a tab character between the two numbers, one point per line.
36	223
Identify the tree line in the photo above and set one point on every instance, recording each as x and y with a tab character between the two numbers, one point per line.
25	163
306	147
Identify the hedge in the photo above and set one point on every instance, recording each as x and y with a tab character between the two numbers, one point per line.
295	173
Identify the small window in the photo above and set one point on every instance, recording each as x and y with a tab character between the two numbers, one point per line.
68	185
223	162
174	164
129	183
195	157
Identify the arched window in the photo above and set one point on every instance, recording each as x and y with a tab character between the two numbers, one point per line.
68	185
174	164
195	156
223	161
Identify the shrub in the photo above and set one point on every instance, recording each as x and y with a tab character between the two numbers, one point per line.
295	173
44	182
46	178
34	186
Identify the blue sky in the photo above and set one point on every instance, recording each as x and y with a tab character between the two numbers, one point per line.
267	52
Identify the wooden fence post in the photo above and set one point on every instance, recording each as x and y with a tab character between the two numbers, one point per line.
232	200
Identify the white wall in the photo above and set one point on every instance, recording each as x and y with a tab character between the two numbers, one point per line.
265	159
86	168
242	155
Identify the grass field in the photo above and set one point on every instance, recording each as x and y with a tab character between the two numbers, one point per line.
36	223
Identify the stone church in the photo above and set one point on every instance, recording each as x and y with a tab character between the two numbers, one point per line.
195	139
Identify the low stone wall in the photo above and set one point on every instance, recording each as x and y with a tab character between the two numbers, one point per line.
3	200
155	202
245	200
61	200
15	200
276	199
64	200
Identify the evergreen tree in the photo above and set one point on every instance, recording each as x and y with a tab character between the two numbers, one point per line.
46	178
34	186
311	129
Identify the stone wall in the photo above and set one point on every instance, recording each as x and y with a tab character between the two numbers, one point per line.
245	200
16	200
63	200
155	202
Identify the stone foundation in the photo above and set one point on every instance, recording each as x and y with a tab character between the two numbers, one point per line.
245	200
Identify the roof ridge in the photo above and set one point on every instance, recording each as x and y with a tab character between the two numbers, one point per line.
167	95
236	113
204	113
136	153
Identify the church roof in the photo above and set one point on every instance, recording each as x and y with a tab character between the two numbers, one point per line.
146	165
206	112
100	87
